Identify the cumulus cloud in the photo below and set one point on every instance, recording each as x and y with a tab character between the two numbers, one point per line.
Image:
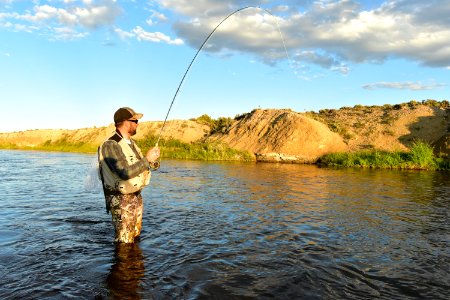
414	86
69	22
76	19
326	61
331	34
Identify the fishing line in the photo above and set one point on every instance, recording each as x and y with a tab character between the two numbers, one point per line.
200	49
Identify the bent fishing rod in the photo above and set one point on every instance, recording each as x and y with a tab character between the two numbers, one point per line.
200	49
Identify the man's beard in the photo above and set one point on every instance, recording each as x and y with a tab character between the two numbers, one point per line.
133	132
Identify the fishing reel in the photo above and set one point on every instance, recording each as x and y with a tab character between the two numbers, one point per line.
155	165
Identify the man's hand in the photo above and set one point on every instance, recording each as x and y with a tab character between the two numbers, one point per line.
153	154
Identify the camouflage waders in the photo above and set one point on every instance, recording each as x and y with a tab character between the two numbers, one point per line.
126	212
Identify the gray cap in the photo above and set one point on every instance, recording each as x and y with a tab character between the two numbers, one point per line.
125	113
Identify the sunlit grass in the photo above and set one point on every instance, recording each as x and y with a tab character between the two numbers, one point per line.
57	146
419	157
176	149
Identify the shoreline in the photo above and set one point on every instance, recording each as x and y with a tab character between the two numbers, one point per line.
398	160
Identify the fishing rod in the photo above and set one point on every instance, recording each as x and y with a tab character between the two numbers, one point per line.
200	49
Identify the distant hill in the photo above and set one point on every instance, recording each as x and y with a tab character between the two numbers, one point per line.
282	134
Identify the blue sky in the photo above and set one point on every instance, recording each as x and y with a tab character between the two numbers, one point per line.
70	64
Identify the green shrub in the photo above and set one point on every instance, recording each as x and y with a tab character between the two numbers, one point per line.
422	155
419	157
431	103
221	125
413	103
204	119
445	104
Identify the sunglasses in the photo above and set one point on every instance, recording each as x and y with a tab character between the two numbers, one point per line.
134	121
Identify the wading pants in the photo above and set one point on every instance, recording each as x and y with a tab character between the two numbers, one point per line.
126	212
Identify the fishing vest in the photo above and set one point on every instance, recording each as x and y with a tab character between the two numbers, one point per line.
114	183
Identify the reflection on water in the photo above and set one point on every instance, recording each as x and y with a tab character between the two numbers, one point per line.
127	272
225	231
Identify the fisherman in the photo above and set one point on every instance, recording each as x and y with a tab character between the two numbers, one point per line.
124	172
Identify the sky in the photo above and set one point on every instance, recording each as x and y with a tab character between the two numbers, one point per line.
67	64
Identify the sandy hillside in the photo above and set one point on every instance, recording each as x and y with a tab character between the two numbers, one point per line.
387	129
282	135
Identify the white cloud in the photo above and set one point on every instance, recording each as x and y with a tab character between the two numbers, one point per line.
89	15
197	7
123	35
155	37
159	16
414	30
324	60
66	33
149	22
414	86
93	16
141	35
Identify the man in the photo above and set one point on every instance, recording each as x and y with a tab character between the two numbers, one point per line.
124	172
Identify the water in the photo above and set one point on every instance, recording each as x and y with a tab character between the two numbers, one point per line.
225	231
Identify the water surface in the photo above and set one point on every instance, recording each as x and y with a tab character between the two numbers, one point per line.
225	231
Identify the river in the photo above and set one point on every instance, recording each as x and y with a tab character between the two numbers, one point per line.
225	231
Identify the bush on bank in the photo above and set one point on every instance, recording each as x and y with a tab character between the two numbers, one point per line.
420	157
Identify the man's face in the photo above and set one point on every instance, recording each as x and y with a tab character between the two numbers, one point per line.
133	124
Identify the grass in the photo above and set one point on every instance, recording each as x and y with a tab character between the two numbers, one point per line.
420	157
57	146
210	151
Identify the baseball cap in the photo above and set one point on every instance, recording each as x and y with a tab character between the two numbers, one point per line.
125	113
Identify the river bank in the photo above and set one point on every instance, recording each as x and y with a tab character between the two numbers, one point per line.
277	135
